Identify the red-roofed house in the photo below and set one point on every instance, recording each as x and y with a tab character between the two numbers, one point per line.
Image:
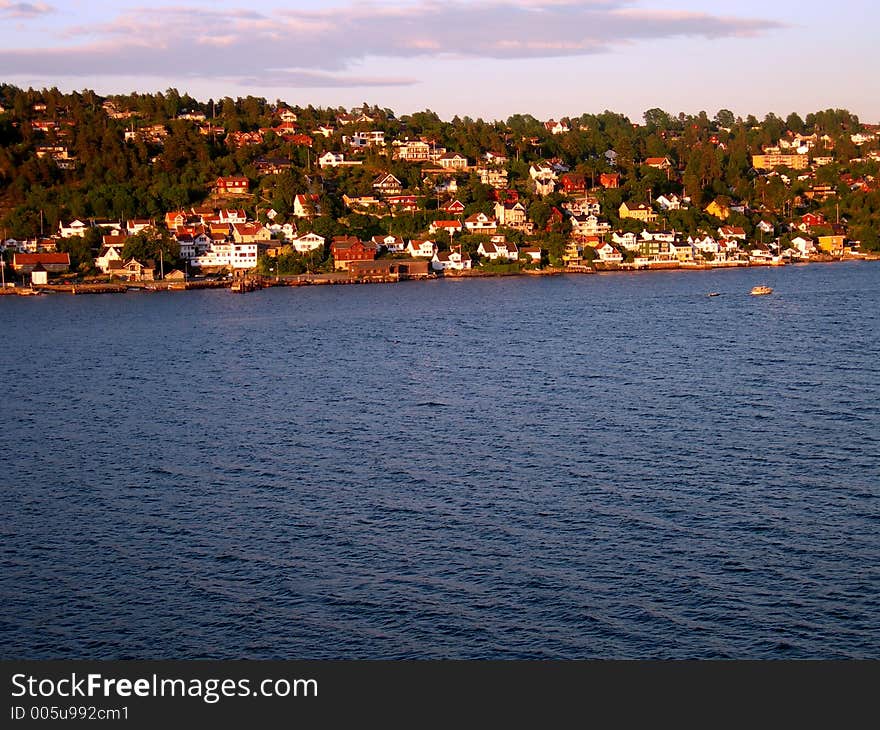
421	247
573	183
810	220
231	185
606	253
732	232
481	223
24	263
609	180
555	127
175	219
345	250
659	163
456	207
250	232
446	226
306	206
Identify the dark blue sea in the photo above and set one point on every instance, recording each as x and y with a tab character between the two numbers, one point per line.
611	466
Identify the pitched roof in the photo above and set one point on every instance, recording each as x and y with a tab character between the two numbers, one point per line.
26	259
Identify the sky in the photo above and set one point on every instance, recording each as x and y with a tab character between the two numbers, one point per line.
480	58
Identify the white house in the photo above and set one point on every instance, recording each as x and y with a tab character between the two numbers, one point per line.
495	158
111	252
423	248
532	253
452	161
760	254
76	227
606	253
136	225
628	239
372	138
306	206
732	232
544	177
498	250
227	254
704	244
555	127
480	223
728	248
512	215
331	159
588	205
588	225
668	202
232	215
455	260
412	150
194	243
392	244
496	177
804	246
307	242
285	232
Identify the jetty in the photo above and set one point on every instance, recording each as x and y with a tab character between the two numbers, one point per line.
246	284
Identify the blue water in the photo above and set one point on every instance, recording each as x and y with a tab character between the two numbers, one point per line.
569	467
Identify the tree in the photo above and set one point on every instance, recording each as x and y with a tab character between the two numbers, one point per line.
657	119
154	245
79	248
724	118
794	122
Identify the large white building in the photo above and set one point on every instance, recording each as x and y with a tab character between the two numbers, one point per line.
226	255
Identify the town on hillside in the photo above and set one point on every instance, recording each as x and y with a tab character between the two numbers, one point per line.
140	187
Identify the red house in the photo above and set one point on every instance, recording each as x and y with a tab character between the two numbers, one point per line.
810	220
231	185
24	263
456	207
403	202
346	249
573	183
609	180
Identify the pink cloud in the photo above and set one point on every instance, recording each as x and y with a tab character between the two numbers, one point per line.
322	45
23	10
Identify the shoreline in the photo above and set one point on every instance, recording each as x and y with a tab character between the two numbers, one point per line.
253	283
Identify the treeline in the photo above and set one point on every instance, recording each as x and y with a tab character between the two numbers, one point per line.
143	177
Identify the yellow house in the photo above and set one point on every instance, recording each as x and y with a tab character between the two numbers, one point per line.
718	209
831	244
639	211
571	256
768	162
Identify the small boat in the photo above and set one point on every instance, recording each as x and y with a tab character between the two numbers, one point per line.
758	290
714	294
